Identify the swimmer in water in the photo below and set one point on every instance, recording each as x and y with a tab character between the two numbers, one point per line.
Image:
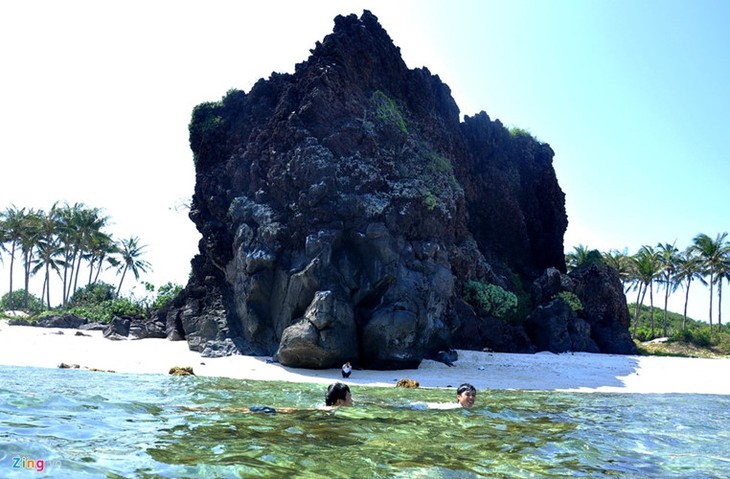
338	394
466	395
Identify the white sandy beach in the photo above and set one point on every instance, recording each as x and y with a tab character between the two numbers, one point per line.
581	372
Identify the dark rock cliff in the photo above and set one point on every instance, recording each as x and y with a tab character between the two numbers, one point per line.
342	208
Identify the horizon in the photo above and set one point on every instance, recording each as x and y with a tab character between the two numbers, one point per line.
631	97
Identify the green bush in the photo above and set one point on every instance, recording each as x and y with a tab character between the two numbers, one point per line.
698	337
430	201
165	294
93	294
643	334
516	132
492	299
204	125
570	299
387	111
16	301
106	310
440	163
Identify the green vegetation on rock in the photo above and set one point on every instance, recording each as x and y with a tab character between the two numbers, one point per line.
492	299
387	111
570	299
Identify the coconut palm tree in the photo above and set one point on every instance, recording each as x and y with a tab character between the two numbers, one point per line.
689	268
30	234
582	256
668	256
67	234
621	262
712	253
101	250
130	251
722	273
88	224
48	251
647	267
12	220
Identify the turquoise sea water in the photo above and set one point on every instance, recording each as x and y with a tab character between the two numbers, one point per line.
84	424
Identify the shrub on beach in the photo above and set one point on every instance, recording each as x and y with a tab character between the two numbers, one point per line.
16	301
698	337
93	294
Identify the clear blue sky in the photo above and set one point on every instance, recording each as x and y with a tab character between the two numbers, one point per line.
633	97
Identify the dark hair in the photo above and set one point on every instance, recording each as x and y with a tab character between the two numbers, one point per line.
464	388
335	392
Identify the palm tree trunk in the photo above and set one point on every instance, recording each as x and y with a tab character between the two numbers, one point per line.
711	287
686	300
78	269
43	289
71	276
67	275
26	268
98	269
48	287
12	263
641	303
122	280
63	293
91	270
666	301
636	311
719	303
651	309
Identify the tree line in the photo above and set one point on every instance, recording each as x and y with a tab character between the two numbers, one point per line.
59	242
706	260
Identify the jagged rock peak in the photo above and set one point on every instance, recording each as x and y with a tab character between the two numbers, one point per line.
343	208
354	39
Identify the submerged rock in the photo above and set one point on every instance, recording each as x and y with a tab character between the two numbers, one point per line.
407	383
181	371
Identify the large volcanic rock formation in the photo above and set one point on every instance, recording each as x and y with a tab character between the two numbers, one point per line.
343	208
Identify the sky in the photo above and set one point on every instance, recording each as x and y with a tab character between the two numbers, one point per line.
633	97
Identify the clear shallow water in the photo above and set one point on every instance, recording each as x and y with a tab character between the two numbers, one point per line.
85	424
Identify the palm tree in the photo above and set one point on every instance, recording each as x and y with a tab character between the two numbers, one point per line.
12	219
48	251
647	267
712	253
689	268
130	252
79	226
582	256
722	272
101	248
30	234
88	224
67	235
621	262
668	259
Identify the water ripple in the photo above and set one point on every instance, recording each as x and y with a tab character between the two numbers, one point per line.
85	424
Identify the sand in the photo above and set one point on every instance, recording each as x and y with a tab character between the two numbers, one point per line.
578	372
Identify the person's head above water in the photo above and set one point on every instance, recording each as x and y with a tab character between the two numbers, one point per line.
466	394
338	394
